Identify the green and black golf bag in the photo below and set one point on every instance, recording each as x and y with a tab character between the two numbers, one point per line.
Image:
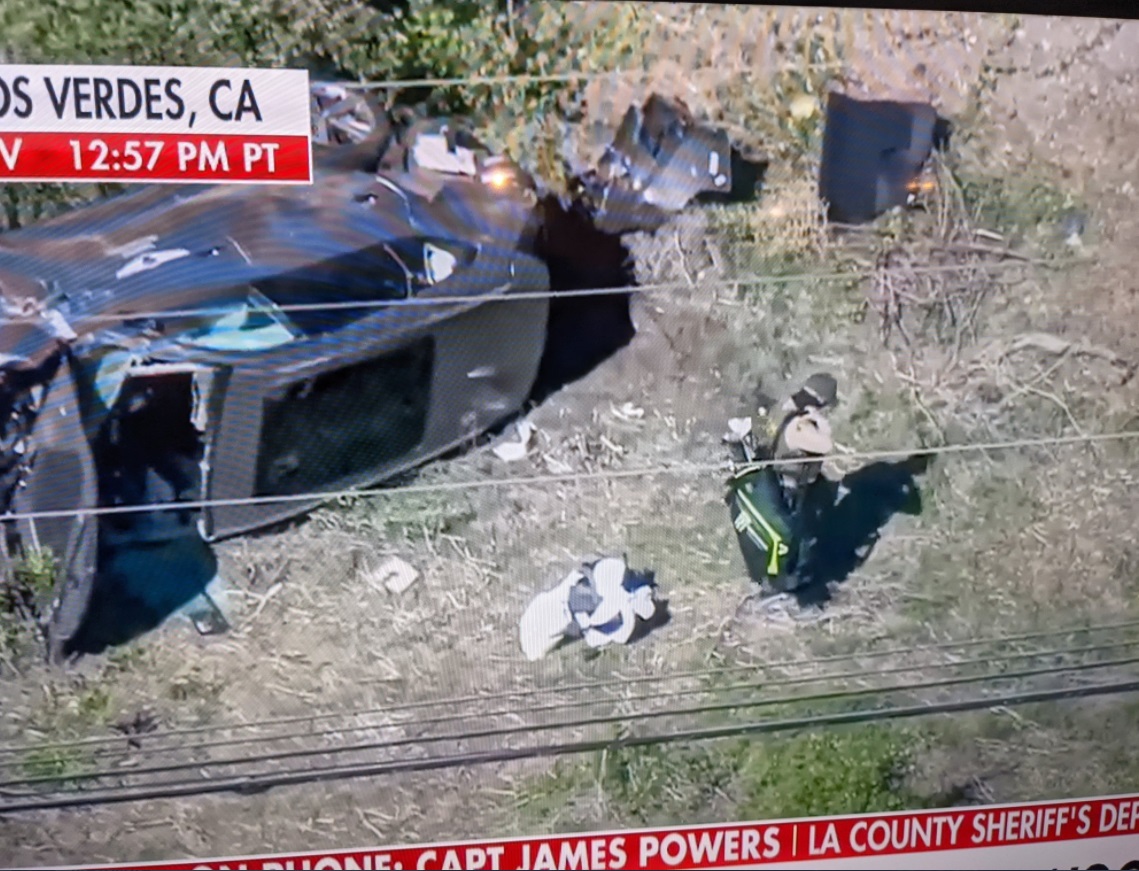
768	530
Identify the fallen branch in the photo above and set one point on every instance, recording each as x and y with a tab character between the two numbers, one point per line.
1050	343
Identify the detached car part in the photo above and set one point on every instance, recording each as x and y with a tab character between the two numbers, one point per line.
232	344
340	115
874	154
661	159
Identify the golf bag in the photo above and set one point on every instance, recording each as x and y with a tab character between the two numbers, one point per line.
770	529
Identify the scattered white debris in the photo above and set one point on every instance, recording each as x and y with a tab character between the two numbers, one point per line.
738	428
396	575
627	412
150	260
556	466
510	452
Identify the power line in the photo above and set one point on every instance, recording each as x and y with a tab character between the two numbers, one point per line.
420	723
497	695
531	728
553	78
747	280
260	783
567	478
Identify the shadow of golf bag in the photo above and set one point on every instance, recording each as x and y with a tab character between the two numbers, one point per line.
770	535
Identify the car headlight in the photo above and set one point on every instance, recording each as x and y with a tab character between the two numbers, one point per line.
438	263
498	178
442	259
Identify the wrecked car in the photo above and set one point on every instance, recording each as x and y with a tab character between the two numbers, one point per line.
181	365
220	354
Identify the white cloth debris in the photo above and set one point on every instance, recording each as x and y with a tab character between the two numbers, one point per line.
601	602
547	619
510	452
738	428
430	151
395	574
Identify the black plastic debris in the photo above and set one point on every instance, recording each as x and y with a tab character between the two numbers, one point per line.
661	159
874	152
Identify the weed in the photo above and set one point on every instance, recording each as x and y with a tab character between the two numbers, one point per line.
783	234
56	764
35	573
94	706
1013	203
193	684
836	772
849	771
127	658
23	594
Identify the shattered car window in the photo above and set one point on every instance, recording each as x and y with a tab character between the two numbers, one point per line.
321	301
254	324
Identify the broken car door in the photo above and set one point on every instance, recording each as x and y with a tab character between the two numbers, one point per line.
62	485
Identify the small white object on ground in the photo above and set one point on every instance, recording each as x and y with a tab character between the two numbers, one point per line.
628	411
395	574
550	617
738	427
510	452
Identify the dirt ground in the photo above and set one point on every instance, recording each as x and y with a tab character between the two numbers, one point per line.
1007	542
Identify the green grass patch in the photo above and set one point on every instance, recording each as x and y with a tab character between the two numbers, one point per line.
858	770
35	572
1015	203
387	514
835	772
57	765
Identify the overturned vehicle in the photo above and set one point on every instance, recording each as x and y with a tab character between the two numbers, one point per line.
184	364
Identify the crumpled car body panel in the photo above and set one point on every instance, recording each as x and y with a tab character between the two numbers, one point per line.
873	153
661	160
242	343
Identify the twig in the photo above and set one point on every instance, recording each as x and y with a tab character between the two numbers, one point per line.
1052	397
683	261
965	248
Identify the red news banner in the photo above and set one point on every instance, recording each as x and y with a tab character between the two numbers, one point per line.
154	124
1087	833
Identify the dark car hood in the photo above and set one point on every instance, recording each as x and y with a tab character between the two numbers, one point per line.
170	247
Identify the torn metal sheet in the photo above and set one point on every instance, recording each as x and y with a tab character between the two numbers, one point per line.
340	115
661	159
874	153
235	343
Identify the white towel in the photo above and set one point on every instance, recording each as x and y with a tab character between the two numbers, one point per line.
547	619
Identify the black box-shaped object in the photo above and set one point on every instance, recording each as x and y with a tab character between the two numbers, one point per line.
872	151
